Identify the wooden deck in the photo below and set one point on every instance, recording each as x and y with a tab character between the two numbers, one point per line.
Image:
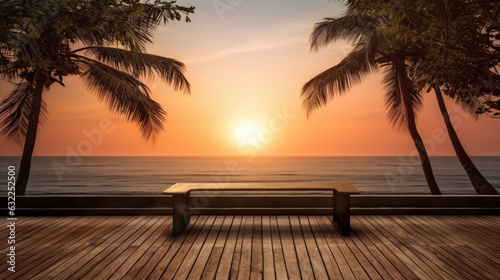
255	247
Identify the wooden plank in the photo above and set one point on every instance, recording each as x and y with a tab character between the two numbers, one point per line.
34	225
341	187
224	268
45	234
291	261
237	251
384	247
318	267
121	256
477	255
306	271
195	250
38	204
361	258
97	259
48	237
67	252
382	266
390	247
476	231
340	259
457	256
257	265
329	262
394	231
214	260
267	250
159	259
63	253
143	252
339	241
244	268
278	253
171	262
205	251
432	246
420	246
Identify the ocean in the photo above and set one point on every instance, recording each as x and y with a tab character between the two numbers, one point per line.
151	175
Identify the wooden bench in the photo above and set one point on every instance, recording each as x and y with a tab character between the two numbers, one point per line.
341	198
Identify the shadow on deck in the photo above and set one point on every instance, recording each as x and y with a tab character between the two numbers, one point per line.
256	247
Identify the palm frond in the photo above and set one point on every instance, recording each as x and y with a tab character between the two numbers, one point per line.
338	79
394	99
132	38
15	110
156	14
470	104
126	28
351	27
126	95
19	54
146	65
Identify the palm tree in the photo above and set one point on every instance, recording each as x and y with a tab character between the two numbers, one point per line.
373	49
457	59
480	184
103	42
464	89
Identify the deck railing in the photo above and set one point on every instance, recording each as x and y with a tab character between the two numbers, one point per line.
255	205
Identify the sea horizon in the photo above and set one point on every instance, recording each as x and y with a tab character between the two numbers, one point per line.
229	156
122	175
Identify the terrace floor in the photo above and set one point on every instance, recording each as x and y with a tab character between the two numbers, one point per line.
255	247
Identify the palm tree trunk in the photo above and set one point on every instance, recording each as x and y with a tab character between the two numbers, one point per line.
412	128
29	143
480	184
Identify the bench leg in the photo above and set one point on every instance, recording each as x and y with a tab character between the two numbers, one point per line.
342	212
182	212
335	203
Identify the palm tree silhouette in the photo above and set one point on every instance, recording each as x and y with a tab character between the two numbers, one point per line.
103	42
372	49
480	184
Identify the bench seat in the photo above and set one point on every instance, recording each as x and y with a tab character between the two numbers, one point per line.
181	197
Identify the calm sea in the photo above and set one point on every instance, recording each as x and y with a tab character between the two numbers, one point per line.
151	175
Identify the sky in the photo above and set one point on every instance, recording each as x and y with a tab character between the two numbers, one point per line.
247	61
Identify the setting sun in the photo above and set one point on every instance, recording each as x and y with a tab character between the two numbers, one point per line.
247	133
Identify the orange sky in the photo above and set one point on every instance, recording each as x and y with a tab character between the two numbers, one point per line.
247	63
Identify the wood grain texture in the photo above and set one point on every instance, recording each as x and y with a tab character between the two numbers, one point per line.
255	247
341	187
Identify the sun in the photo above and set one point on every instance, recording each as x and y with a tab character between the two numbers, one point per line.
247	133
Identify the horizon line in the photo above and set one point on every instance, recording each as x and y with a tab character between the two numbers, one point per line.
235	156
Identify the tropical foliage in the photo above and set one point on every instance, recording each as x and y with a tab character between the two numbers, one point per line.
102	41
459	55
420	44
373	48
460	42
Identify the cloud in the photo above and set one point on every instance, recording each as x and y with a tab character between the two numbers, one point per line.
256	46
282	36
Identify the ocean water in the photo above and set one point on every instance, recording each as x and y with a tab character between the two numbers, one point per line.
151	175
